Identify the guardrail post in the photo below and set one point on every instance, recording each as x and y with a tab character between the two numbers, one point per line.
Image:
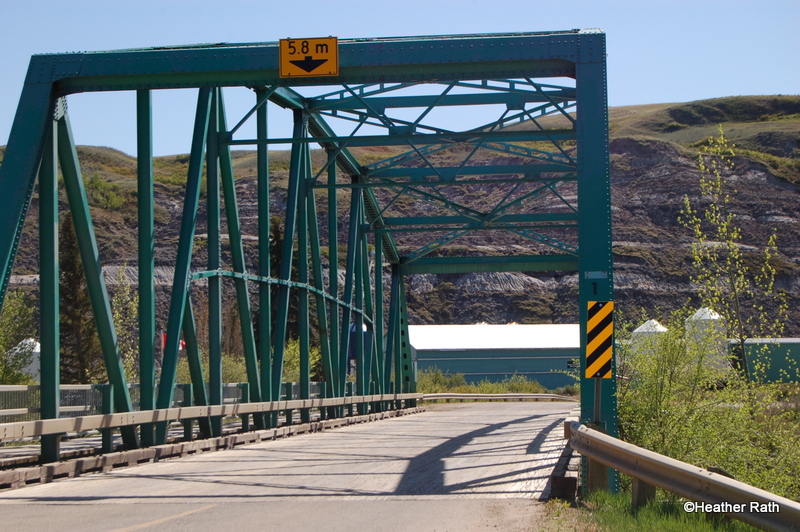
596	476
286	393
374	406
305	413
188	424
350	387
641	493
322	394
108	408
596	473
245	389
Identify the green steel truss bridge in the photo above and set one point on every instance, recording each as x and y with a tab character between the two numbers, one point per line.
535	173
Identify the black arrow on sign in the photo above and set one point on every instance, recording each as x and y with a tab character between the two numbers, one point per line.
309	64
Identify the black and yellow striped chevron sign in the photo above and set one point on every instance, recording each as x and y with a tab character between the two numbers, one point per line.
599	338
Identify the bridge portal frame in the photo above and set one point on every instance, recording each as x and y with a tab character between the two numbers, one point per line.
500	69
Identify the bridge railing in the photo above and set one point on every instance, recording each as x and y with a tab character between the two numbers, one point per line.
704	490
497	397
20	430
16	401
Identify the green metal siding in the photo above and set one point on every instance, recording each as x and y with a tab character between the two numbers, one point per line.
774	361
547	366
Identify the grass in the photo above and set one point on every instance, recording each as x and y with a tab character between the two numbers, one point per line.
604	511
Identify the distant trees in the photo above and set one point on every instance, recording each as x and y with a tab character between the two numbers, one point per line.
125	311
17	326
81	356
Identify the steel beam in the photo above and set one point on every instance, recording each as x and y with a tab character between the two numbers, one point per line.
198	396
49	330
419	59
214	259
287	253
522	263
303	277
146	262
512	100
180	284
264	266
23	154
420	139
350	272
238	259
595	261
95	280
333	278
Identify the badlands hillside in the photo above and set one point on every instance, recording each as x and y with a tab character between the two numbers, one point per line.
654	165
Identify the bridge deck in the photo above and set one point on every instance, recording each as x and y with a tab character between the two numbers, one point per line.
452	454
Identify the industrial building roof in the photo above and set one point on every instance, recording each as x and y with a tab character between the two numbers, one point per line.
483	336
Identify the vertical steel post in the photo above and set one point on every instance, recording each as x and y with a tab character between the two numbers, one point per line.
264	226
214	251
237	256
188	424
180	284
198	384
380	362
408	375
347	296
50	360
244	388
362	375
333	281
325	343
146	262
393	335
367	307
302	277
295	182
95	280
595	260
107	435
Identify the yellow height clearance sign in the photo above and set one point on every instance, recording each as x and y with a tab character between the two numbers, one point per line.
309	57
599	339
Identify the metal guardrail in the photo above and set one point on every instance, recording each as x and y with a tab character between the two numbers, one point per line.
26	429
498	397
87	399
649	470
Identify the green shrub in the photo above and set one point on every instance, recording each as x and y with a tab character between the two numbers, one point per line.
677	399
432	380
104	193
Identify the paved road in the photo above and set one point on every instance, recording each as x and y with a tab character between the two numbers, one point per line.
456	467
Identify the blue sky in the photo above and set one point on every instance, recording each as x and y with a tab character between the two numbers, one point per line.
658	51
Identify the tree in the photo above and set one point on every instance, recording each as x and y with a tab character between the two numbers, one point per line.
671	402
17	330
742	291
125	311
81	356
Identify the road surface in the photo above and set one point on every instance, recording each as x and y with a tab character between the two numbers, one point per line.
459	467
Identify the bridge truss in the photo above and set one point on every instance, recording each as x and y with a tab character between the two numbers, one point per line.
532	173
